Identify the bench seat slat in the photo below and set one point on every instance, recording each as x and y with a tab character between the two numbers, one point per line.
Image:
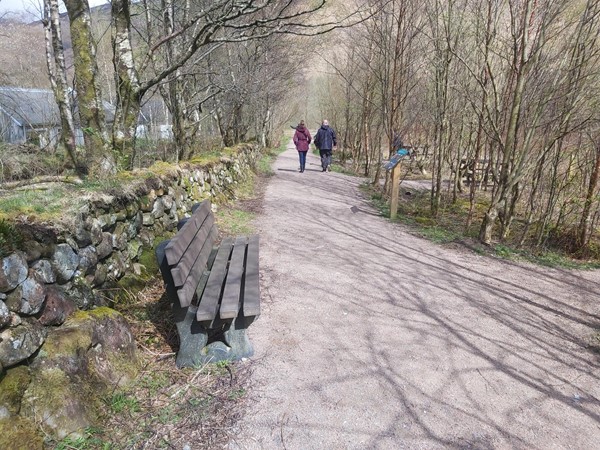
230	304
181	241
186	292
251	303
208	307
188	260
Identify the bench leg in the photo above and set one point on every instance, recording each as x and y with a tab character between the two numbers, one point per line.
192	336
237	339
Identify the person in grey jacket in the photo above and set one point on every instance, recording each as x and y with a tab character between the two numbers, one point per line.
325	141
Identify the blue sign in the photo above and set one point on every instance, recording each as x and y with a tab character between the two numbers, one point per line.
393	162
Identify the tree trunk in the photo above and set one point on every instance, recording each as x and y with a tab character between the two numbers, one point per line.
55	59
583	231
89	96
129	93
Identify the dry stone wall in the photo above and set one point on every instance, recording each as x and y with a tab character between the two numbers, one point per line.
68	268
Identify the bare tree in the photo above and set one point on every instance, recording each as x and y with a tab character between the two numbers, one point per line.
55	57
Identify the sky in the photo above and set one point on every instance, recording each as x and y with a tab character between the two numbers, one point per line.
32	6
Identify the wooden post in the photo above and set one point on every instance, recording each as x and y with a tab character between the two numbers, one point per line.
395	191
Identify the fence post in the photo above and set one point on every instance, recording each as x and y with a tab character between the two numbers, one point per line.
395	191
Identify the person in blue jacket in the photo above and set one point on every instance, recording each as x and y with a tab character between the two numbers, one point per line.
325	141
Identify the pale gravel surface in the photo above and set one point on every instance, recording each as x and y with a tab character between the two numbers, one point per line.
372	338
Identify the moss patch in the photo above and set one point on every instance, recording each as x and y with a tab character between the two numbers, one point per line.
19	434
12	387
81	317
63	405
66	342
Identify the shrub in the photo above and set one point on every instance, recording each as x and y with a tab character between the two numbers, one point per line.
10	238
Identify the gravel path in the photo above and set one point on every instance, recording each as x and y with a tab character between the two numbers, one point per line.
373	338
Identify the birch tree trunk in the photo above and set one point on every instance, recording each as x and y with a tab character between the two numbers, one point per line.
129	94
55	59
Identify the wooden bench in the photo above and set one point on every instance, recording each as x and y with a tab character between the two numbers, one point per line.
214	291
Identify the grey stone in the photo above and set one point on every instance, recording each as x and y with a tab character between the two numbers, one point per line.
135	225
64	262
147	201
116	265
105	247
28	297
134	249
100	274
158	228
4	315
15	320
57	308
167	202
20	342
192	336
33	294
119	236
173	212
83	212
159	209
43	268
13	271
82	236
88	258
13	299
33	250
132	209
121	215
81	294
148	219
107	221
69	240
95	228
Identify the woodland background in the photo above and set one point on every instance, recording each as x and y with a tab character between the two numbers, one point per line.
506	88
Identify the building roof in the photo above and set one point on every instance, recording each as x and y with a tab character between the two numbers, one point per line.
35	108
29	107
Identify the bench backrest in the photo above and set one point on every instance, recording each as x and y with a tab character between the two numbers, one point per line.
188	252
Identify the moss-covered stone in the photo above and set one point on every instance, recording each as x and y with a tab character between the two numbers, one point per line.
81	361
64	405
20	434
12	387
146	203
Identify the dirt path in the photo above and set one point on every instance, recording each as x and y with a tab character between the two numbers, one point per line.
373	338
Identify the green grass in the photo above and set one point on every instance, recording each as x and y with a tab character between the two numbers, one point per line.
237	394
235	221
263	166
449	227
438	234
343	170
122	402
89	440
154	382
43	204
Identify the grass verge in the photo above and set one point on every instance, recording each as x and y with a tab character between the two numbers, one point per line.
449	228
